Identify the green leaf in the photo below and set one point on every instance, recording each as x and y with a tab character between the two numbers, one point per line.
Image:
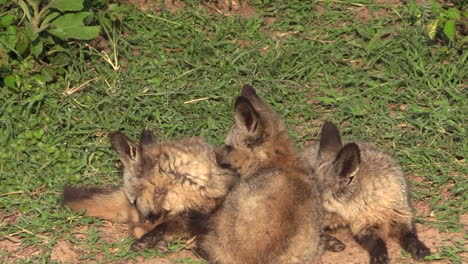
449	29
453	13
431	28
50	17
10	81
67	5
40	80
47	73
22	42
25	8
8	38
71	26
6	20
60	60
37	47
326	100
30	31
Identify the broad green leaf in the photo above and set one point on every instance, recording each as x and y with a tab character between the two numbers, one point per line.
39	79
25	8
8	38
6	20
431	28
453	13
60	60
67	5
50	17
10	81
22	42
449	29
47	73
71	26
37	47
30	31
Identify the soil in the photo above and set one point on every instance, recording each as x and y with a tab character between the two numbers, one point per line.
224	7
63	252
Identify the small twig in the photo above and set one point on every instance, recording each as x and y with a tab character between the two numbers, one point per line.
31	233
359	4
114	64
215	9
10	193
190	241
12	238
187	243
69	92
197	100
319	40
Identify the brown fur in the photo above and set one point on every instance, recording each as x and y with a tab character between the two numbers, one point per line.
364	189
107	204
168	184
273	215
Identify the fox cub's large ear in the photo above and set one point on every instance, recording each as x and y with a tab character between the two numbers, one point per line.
347	162
247	117
248	91
330	140
127	150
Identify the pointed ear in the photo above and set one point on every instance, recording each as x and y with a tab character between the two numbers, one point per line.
147	138
246	115
330	140
347	162
127	150
248	91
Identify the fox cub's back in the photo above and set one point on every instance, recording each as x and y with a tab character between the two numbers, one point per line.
273	215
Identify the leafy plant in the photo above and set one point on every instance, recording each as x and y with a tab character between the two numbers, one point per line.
38	28
440	19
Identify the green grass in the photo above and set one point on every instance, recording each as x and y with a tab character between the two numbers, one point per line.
381	80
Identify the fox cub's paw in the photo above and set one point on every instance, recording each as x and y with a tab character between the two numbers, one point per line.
418	250
148	241
332	244
379	259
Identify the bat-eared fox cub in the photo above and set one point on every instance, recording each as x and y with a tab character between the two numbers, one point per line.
274	214
169	189
364	189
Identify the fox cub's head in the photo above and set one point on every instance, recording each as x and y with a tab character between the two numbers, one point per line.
255	136
336	166
139	188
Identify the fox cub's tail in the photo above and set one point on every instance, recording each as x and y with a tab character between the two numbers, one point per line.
106	203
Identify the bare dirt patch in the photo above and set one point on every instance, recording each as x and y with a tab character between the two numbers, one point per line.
62	252
12	252
156	6
225	7
395	2
354	254
231	8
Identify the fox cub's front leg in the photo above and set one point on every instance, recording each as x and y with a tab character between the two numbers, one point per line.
332	243
153	239
410	242
374	244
